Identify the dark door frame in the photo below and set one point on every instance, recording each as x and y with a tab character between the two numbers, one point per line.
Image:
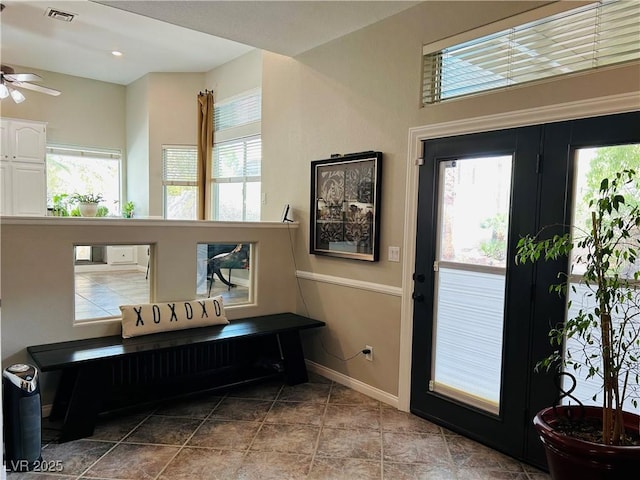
589	109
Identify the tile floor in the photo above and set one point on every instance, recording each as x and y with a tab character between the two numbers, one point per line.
317	430
99	294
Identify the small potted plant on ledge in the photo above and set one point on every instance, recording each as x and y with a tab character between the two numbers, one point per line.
87	203
597	442
128	209
60	205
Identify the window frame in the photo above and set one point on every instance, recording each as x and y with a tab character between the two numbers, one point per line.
181	183
247	128
506	31
244	179
97	153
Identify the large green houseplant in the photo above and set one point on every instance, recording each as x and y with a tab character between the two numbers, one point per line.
606	328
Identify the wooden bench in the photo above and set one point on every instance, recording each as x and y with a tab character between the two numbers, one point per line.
107	373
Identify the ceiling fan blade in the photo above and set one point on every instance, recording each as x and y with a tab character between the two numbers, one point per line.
23	77
36	88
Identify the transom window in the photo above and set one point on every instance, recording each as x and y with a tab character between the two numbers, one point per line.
599	34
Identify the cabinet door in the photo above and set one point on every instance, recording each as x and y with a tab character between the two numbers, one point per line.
29	189
5	185
5	146
29	141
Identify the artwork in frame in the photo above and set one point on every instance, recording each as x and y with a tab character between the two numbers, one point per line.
345	206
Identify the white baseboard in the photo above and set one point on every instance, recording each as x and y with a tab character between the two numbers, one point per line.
352	383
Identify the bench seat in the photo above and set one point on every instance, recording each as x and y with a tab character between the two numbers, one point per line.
105	373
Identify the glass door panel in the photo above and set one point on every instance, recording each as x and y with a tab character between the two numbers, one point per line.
591	165
470	273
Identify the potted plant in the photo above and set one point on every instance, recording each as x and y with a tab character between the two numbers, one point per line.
60	205
604	337
127	211
87	203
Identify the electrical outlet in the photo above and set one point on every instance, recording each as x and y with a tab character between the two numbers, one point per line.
368	356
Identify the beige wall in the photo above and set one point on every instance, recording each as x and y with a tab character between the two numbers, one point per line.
362	92
161	110
172	107
40	252
356	93
86	113
137	162
237	76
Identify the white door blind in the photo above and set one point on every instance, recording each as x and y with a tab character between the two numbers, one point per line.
179	165
593	36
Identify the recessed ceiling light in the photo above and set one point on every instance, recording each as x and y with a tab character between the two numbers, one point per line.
116	53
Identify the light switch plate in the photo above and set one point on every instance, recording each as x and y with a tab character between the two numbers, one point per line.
394	254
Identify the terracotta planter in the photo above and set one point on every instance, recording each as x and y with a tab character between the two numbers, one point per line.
88	209
570	458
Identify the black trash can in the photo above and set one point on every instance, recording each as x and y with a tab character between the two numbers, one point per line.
22	417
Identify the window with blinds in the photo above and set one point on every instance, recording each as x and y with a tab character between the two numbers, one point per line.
236	179
83	170
180	182
237	158
239	111
600	34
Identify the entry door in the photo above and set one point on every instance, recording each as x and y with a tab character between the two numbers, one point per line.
471	304
480	321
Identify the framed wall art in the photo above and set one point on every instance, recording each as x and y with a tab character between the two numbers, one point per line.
345	206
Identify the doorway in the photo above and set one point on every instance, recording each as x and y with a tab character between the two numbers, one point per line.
479	321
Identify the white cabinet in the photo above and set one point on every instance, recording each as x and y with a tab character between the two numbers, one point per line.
22	167
6	201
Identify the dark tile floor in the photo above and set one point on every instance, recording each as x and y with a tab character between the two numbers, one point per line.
318	430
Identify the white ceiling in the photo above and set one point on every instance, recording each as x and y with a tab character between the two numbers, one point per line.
154	37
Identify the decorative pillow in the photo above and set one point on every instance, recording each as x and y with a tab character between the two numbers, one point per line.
161	317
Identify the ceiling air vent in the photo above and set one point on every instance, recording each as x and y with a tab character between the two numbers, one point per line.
59	15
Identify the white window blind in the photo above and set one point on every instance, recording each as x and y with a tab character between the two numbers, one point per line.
237	112
596	35
236	179
179	165
237	158
180	181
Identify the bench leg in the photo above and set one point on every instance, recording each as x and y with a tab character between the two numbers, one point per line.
84	402
295	369
63	393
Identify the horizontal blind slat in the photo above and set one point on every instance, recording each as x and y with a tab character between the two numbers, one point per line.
237	112
237	158
179	164
604	33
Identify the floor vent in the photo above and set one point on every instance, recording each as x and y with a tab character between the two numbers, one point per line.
59	15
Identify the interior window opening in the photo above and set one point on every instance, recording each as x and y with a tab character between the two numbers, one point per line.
107	276
225	269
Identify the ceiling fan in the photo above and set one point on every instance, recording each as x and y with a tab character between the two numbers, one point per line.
9	80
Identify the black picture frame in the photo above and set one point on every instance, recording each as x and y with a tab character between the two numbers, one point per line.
345	206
